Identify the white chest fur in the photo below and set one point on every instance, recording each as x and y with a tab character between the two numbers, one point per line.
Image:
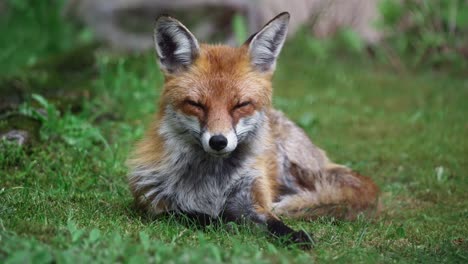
193	181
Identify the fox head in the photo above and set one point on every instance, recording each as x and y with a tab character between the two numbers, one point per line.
215	95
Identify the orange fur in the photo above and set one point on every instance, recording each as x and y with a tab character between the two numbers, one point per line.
218	80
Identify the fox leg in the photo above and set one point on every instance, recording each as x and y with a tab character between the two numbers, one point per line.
248	202
334	191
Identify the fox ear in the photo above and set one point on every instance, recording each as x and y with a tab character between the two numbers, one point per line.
265	45
176	46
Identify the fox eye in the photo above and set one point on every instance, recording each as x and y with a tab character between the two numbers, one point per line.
195	104
243	104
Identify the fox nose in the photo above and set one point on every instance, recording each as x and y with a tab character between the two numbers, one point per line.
218	142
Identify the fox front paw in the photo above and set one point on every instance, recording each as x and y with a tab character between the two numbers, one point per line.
302	239
288	235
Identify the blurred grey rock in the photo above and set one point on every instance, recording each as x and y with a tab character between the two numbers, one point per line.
324	17
20	137
19	128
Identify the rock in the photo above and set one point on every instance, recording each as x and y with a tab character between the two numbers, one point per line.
19	128
209	18
20	137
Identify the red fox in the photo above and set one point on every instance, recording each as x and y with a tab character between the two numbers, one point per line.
217	147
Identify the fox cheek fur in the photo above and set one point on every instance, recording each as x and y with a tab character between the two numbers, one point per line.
190	129
218	149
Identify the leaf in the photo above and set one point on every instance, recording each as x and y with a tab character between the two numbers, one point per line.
43	256
318	48
239	27
400	231
19	257
215	251
462	16
94	235
441	174
75	233
145	240
307	120
137	259
352	40
391	11
41	100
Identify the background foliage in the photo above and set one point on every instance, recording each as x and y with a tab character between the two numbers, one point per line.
433	33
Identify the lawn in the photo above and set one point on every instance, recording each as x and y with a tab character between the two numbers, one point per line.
64	196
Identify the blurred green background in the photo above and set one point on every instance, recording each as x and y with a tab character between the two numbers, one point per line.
72	106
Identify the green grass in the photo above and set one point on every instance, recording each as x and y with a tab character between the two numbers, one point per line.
65	198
